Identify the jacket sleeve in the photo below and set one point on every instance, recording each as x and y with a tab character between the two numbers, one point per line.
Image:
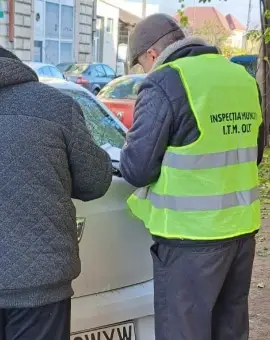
147	140
90	166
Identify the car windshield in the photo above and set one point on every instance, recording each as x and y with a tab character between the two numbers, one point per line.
77	68
122	88
103	127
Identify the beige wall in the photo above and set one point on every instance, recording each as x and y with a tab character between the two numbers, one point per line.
24	29
110	39
237	38
83	34
23	34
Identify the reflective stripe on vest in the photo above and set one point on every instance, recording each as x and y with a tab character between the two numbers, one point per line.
213	160
218	202
208	190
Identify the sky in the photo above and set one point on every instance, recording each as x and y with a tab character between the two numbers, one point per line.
239	8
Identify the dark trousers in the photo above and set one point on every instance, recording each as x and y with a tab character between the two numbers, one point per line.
201	292
51	322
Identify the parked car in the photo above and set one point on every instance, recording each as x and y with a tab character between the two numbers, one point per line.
63	67
91	76
120	96
250	62
46	70
114	293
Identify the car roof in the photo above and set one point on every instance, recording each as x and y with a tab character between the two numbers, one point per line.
91	64
128	76
36	66
66	63
62	84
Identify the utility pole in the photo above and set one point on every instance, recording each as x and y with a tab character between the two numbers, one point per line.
248	23
249	13
144	8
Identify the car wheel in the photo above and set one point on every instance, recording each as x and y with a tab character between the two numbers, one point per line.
96	92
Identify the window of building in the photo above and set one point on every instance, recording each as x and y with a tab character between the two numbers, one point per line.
98	40
51	52
58	35
38	57
66	52
110	25
66	22
52	20
123	33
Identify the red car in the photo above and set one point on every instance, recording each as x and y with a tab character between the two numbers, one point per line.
120	96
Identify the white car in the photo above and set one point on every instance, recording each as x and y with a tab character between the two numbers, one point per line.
45	70
114	293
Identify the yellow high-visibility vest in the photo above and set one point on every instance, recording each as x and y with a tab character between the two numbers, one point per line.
208	190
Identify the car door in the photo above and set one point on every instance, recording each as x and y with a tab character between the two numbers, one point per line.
114	246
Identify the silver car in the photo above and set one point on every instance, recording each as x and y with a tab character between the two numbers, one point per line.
45	70
114	293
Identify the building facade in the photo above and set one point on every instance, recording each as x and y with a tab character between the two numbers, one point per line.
136	7
49	31
112	33
106	37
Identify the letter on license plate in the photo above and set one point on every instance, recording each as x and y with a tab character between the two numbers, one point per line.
117	332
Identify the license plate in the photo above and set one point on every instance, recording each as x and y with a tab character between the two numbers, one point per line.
118	332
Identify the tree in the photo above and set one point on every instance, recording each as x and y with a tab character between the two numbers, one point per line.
229	51
253	40
213	33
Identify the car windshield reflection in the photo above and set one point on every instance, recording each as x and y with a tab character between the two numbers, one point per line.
104	129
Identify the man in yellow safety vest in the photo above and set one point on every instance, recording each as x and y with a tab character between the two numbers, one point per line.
192	152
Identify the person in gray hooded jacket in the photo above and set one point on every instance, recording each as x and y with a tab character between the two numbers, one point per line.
201	287
47	158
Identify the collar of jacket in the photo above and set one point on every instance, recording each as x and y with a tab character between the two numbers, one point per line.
171	49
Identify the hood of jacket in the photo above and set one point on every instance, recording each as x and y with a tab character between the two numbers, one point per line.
13	71
188	47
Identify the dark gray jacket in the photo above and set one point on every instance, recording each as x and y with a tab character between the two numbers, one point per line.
162	118
47	156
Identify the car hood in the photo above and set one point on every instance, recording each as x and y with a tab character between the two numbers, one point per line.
112	151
